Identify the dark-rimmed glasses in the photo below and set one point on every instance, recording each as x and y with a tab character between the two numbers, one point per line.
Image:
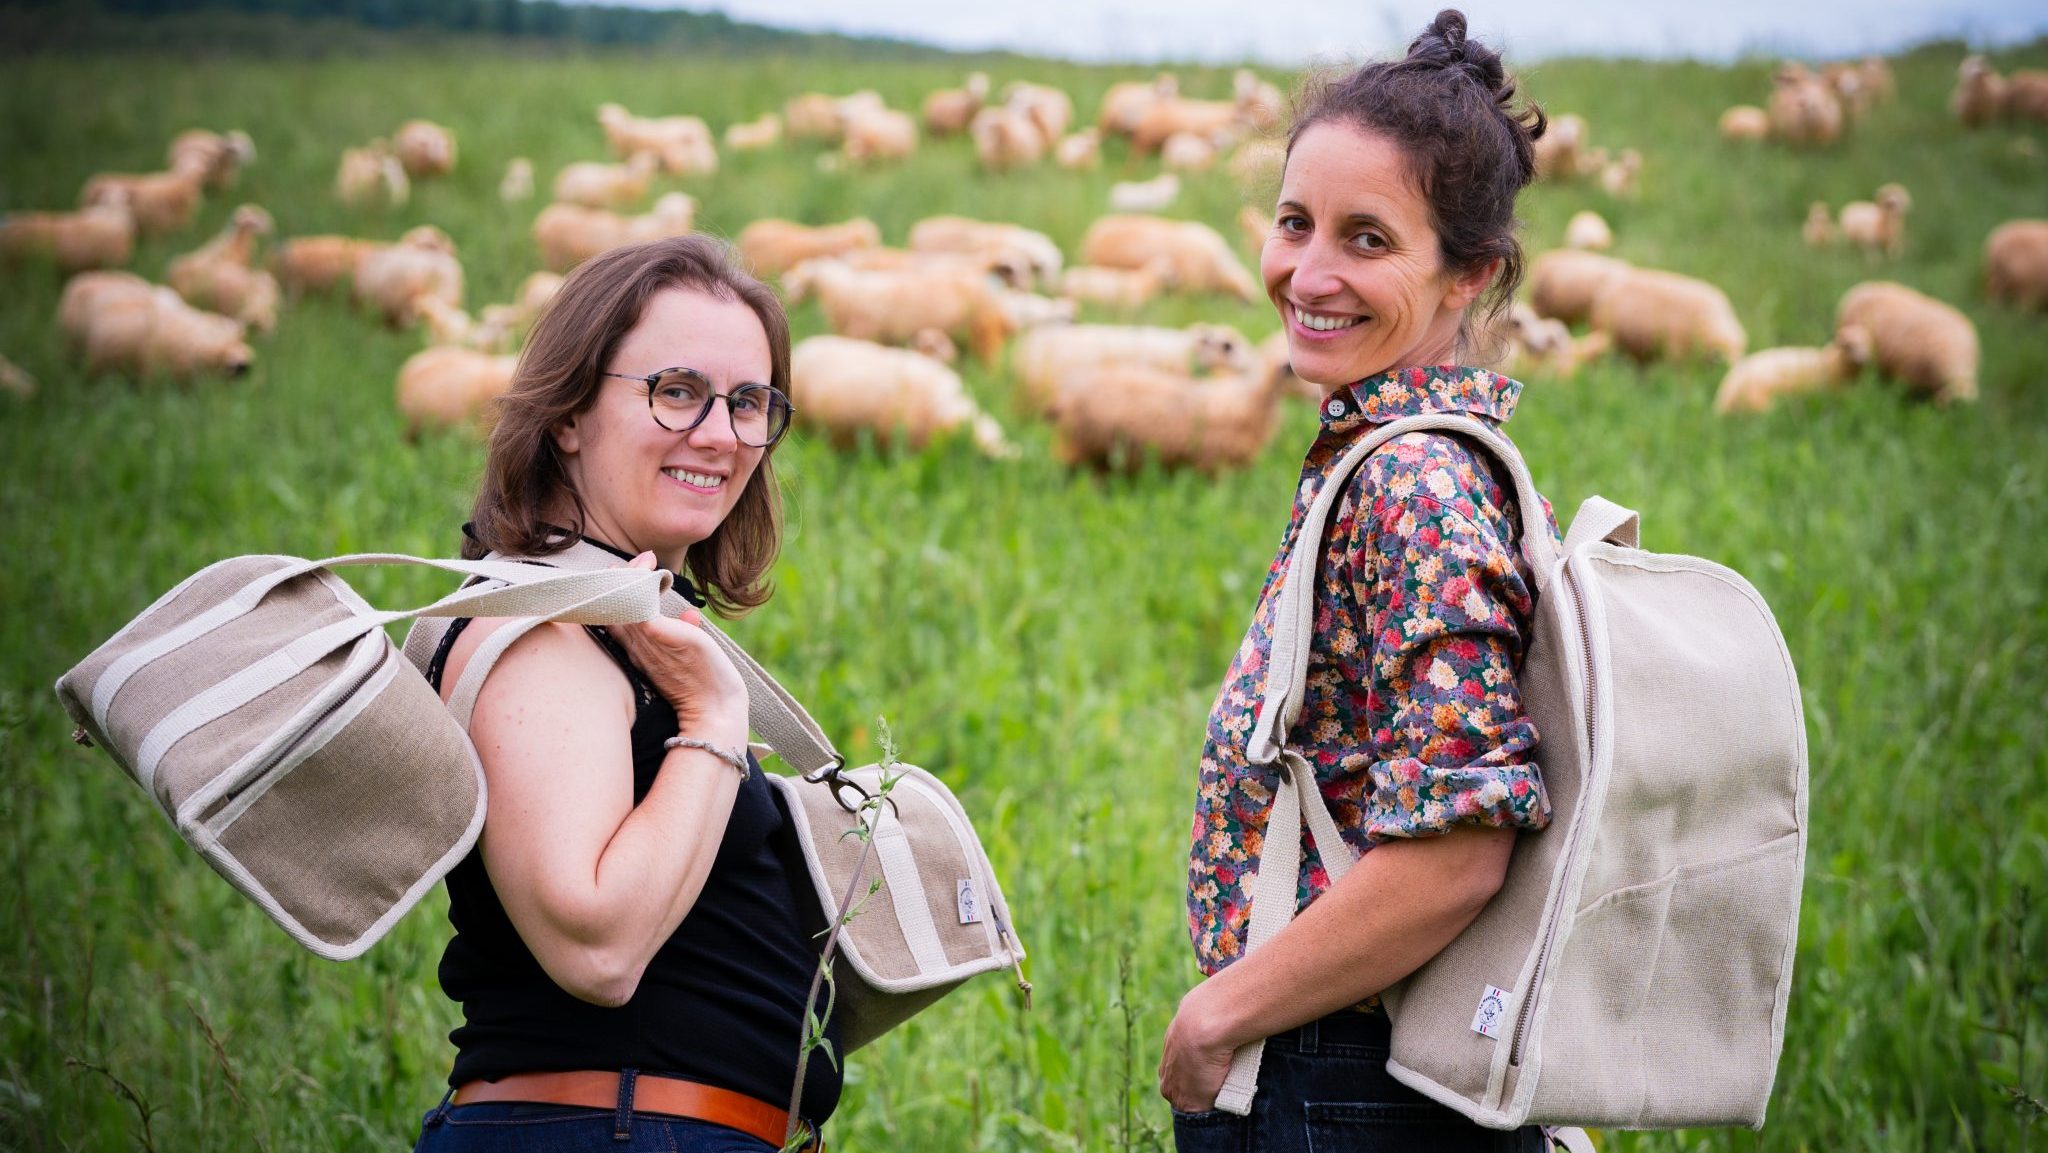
680	398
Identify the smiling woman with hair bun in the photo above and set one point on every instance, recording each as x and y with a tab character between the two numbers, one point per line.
1393	243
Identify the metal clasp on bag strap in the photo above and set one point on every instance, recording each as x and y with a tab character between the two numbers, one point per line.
833	777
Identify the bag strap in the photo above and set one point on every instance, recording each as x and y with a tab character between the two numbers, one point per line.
1298	799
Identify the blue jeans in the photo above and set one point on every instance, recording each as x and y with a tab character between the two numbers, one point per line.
513	1127
1324	1088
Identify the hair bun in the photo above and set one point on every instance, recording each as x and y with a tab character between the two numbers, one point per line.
1444	44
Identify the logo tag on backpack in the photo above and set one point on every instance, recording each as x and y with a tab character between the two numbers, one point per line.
1493	1009
970	907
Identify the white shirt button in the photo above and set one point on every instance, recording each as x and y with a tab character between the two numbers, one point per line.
1335	407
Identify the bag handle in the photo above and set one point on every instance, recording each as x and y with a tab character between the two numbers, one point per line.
1299	799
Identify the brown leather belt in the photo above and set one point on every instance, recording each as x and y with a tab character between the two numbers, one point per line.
669	1096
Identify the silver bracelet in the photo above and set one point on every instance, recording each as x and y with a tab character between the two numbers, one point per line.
737	760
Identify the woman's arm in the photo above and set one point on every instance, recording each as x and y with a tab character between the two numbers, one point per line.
593	883
1397	907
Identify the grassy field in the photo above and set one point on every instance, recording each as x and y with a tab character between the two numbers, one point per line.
1049	642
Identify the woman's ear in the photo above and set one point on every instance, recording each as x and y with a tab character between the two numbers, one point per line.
567	438
1466	288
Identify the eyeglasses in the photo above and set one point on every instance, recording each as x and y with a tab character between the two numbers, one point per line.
680	398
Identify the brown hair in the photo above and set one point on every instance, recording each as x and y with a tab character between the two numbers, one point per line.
1448	106
558	378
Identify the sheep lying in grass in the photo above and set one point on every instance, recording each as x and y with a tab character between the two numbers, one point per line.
426	149
222	156
162	202
449	387
2016	263
1023	256
1117	414
122	323
771	247
371	176
1878	226
222	274
568	234
1045	358
1745	122
1154	195
756	135
680	144
392	279
99	236
609	186
1760	379
842	386
1653	314
1922	342
947	111
1564	282
1201	260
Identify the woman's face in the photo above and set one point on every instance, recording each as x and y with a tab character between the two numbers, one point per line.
643	486
1354	265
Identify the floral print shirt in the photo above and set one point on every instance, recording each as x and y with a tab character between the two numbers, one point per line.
1411	716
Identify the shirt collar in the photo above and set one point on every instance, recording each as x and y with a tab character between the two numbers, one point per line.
1414	391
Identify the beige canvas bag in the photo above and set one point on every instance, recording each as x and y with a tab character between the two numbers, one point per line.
1633	970
939	917
266	713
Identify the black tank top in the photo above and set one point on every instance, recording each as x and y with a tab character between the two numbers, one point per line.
722	1000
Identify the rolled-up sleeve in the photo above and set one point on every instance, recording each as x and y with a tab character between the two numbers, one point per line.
1446	606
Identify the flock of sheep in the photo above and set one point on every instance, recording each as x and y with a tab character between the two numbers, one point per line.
1201	397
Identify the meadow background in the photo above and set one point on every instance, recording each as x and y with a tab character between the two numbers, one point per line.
1048	642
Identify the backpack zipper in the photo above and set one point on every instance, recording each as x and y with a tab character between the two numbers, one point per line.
1528	1010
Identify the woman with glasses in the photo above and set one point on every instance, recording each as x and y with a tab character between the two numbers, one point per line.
632	945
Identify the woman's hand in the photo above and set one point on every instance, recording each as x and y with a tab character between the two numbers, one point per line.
689	669
1197	1053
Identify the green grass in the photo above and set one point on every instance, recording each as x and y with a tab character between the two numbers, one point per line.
1049	643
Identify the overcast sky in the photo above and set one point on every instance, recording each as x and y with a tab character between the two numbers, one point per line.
1293	32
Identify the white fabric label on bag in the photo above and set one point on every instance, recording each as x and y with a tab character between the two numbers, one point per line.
1493	1009
970	906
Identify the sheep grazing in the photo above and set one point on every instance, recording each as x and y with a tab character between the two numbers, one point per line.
222	275
1560	151
318	263
1127	101
391	280
1928	345
122	323
1878	227
448	387
1259	102
892	306
1049	109
1202	261
947	111
101	236
878	134
1564	282
1979	96
15	380
1819	230
517	184
1045	358
2016	263
756	135
1023	257
812	116
568	234
371	176
595	185
1005	138
1745	122
2026	96
1537	346
1760	379
1587	230
771	247
1187	152
499	327
1154	195
681	144
1652	314
426	149
162	202
1118	288
842	386
1618	176
1213	120
1079	150
1846	82
1803	109
222	156
1115	415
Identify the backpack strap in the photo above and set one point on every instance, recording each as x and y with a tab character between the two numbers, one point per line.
1298	799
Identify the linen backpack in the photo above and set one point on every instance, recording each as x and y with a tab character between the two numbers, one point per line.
1633	970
